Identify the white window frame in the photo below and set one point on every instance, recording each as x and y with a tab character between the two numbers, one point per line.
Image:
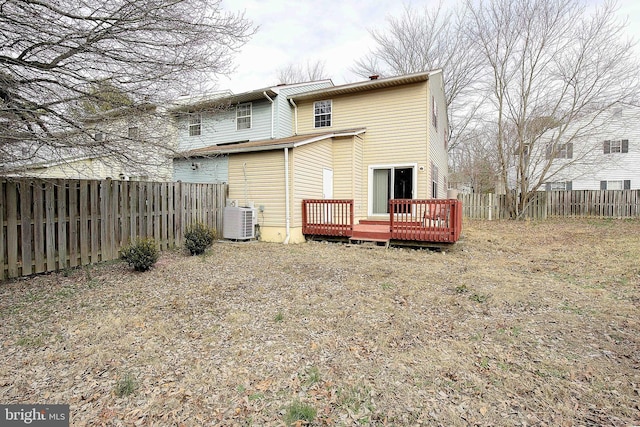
414	177
615	183
558	186
615	146
244	114
195	124
434	113
321	117
434	180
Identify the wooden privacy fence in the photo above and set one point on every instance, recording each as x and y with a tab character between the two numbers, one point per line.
557	204
49	225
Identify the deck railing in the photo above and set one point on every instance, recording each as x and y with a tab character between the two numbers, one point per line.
435	220
327	217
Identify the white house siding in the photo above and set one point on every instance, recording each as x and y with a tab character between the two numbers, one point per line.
591	165
437	148
208	170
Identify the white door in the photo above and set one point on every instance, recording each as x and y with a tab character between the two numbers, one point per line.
327	193
327	183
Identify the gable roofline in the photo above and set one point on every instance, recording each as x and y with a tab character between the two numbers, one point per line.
227	98
224	98
365	85
268	144
277	88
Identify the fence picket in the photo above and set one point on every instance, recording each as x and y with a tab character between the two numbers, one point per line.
557	204
49	225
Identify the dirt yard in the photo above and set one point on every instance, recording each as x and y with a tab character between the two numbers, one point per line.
519	323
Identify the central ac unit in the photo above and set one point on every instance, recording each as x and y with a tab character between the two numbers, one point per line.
238	223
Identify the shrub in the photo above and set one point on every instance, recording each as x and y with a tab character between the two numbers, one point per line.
141	255
198	238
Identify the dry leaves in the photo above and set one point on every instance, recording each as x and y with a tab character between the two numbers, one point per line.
517	324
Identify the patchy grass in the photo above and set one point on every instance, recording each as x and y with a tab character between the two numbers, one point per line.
520	323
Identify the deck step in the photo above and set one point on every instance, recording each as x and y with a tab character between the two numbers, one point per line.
371	232
374	222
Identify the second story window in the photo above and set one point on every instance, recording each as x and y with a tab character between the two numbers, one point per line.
434	113
322	113
560	151
616	146
243	116
195	124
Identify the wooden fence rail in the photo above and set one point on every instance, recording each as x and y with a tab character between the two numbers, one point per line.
49	225
557	204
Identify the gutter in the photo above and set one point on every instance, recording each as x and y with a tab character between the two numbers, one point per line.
271	101
295	116
286	197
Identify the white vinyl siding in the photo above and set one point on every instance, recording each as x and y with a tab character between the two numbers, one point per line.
207	170
195	124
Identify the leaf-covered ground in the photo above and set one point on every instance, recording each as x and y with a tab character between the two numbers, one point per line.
517	324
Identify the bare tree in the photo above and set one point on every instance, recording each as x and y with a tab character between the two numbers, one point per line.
427	39
61	57
297	73
552	69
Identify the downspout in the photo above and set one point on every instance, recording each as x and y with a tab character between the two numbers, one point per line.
286	196
295	116
271	101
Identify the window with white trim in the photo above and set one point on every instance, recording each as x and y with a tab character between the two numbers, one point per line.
195	124
434	181
558	186
616	146
243	116
560	151
434	113
322	113
616	185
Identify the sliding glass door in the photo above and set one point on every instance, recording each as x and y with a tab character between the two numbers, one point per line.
390	183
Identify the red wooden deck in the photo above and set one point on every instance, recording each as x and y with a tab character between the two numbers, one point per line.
437	221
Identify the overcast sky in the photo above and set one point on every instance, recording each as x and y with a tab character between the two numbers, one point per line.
333	31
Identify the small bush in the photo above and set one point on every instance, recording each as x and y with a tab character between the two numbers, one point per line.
141	255
198	238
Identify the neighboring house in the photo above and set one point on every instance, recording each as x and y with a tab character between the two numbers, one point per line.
607	157
128	143
369	141
227	118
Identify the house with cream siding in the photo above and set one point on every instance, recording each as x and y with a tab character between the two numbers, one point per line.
227	118
369	142
132	143
604	156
